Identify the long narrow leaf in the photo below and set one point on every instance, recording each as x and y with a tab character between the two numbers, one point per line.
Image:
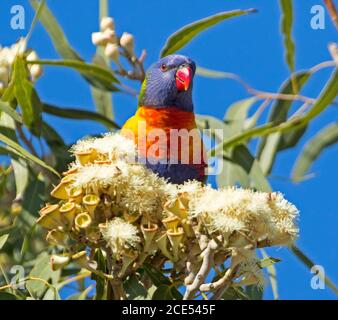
184	35
309	263
78	114
25	154
286	26
323	139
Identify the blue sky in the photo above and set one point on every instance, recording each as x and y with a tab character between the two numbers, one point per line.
250	46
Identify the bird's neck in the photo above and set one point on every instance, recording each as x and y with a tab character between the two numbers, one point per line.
170	117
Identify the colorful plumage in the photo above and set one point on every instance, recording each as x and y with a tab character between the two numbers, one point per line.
164	120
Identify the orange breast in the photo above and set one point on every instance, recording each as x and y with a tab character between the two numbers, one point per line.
166	133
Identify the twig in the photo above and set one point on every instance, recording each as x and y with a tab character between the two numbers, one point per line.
332	11
207	262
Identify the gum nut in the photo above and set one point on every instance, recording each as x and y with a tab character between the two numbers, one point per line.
107	23
68	211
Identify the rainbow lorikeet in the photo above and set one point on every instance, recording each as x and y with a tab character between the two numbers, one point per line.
165	122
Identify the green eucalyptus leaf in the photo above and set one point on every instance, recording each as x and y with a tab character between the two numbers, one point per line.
78	114
23	91
241	167
41	270
135	290
102	98
7	296
5	107
184	35
165	292
272	144
312	150
99	77
237	113
286	28
25	154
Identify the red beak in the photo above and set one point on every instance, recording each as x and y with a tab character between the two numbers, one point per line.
183	78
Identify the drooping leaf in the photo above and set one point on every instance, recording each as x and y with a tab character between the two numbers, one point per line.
43	273
286	27
242	168
25	154
165	292
5	107
102	98
135	290
23	91
7	296
78	114
312	150
160	279
56	33
309	264
57	146
237	113
101	78
271	145
184	35
254	292
218	128
21	175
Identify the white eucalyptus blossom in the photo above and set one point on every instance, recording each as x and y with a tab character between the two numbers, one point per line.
120	235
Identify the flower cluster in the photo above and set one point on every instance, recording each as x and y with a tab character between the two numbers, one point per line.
108	200
108	39
7	57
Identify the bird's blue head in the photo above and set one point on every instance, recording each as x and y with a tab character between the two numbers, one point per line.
169	82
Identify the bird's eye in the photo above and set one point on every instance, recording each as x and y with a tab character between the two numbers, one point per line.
164	67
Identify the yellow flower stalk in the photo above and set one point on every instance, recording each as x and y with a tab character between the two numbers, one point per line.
175	238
